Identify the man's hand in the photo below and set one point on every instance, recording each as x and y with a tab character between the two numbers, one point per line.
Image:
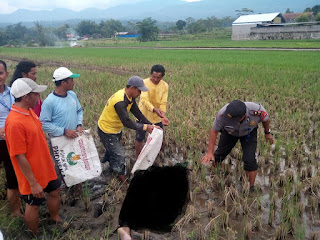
71	133
151	127
79	129
158	112
269	138
165	121
207	158
2	135
37	190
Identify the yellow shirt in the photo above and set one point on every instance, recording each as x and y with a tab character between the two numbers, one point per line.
156	97
109	121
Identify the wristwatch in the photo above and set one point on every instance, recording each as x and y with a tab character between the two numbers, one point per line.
267	131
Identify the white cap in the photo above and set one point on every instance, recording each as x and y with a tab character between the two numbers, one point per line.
63	73
23	86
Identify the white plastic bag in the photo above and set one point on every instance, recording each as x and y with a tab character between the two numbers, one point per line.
150	151
77	158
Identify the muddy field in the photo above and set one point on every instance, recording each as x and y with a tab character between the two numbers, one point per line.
286	203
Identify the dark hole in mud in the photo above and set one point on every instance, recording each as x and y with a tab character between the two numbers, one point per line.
155	198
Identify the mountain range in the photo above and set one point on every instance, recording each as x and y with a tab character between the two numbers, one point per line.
161	10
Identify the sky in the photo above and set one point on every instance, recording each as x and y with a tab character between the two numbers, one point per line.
9	6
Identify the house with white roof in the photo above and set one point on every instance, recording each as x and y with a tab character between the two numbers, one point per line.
241	27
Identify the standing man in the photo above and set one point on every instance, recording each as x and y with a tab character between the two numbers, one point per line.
6	100
115	116
239	121
30	155
62	114
153	103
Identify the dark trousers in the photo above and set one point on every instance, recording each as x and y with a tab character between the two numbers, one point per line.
248	144
114	152
12	182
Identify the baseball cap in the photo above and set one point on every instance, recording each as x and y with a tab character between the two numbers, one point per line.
137	82
236	109
63	73
23	86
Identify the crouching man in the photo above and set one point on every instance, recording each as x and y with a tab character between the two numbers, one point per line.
30	155
238	121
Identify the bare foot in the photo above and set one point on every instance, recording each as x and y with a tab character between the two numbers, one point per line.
124	233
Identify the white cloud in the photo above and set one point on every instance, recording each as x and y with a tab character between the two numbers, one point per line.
9	6
5	8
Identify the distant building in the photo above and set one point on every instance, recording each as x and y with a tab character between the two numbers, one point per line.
272	26
241	27
126	35
291	17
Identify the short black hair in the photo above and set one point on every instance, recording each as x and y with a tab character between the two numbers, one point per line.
22	67
158	68
58	83
18	99
4	64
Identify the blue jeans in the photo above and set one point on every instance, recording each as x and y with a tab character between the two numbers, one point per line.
114	152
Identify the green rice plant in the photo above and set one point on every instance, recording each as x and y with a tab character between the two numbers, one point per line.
281	232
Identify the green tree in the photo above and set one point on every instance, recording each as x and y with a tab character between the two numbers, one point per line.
87	27
16	31
110	27
244	11
304	17
42	36
289	11
148	30
61	32
317	17
196	27
180	24
308	10
315	9
190	20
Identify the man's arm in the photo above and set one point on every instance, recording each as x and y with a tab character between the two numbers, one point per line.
26	169
268	135
138	114
80	116
212	142
121	110
46	119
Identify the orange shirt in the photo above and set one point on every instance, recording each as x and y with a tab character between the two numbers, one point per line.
24	135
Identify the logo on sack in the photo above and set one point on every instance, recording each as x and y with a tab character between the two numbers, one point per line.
72	158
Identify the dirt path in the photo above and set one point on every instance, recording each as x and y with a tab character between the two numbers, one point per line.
220	48
117	71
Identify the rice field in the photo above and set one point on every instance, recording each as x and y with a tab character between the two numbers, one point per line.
286	83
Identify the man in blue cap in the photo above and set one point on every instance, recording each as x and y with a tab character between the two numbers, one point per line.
239	121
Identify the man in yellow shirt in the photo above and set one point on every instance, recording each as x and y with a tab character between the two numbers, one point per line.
153	103
115	116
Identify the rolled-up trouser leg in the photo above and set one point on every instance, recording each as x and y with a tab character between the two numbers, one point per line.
226	143
249	151
114	152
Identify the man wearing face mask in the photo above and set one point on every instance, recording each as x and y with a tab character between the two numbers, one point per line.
239	121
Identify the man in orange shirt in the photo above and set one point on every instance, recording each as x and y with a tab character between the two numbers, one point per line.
30	155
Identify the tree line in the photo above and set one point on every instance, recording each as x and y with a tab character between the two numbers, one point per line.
148	28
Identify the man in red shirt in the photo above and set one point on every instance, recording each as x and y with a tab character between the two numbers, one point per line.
30	155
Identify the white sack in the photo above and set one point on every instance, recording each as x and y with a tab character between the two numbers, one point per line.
150	150
77	158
